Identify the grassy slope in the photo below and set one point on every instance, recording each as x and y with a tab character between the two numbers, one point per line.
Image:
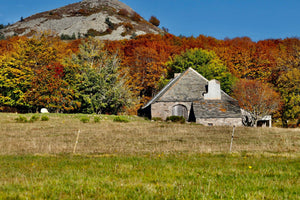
145	160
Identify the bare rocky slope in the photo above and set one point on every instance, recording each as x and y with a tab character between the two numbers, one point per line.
104	19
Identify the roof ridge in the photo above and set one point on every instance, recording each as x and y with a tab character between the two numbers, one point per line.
197	73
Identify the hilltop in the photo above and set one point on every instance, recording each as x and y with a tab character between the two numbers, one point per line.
104	19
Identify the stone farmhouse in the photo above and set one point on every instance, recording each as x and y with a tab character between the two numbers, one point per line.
195	98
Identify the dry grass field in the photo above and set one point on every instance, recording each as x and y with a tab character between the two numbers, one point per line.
139	136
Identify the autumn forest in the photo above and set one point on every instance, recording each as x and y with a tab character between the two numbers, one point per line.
112	77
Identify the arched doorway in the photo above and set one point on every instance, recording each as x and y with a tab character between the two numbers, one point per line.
180	110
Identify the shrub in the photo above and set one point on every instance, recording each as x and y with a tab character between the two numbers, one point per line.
34	118
128	26
123	12
110	24
136	17
45	118
166	30
121	119
123	34
133	36
21	119
108	31
67	37
157	119
85	119
97	119
83	12
180	119
93	33
153	20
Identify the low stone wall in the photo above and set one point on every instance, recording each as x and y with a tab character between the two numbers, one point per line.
220	121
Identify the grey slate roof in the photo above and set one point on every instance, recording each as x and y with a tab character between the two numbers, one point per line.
216	109
188	86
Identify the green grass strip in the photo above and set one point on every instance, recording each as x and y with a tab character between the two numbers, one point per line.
178	176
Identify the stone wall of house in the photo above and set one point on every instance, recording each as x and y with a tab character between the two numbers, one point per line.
220	121
164	109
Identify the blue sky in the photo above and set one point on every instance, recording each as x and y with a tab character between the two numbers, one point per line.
257	19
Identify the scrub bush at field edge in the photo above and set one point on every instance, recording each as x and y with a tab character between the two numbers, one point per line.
45	118
34	118
21	119
180	119
85	119
97	119
121	119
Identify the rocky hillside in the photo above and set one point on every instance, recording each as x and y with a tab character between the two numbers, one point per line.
105	19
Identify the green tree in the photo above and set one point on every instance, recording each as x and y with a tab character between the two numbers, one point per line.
288	85
15	78
206	63
100	87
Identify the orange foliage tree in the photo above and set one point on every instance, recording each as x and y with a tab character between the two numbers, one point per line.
50	89
257	98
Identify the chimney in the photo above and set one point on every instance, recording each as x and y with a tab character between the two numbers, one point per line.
176	74
214	90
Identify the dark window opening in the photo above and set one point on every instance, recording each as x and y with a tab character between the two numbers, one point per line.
192	117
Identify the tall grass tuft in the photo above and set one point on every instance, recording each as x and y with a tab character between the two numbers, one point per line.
85	119
34	118
45	118
21	119
97	119
157	119
121	119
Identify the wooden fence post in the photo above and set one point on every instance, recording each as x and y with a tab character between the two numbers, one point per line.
76	142
231	139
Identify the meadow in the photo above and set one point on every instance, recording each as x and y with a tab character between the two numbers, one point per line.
142	159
